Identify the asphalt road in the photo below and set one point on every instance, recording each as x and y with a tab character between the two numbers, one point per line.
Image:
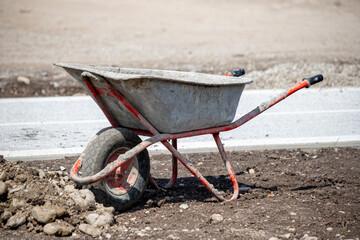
54	127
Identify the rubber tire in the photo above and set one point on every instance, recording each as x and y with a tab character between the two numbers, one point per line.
98	151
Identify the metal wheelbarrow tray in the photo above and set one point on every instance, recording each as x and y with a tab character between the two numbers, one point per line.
165	105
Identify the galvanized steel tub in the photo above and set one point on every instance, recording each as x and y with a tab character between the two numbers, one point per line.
172	101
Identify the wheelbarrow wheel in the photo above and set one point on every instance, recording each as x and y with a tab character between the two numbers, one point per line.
125	186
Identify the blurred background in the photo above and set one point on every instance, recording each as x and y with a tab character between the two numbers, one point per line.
278	42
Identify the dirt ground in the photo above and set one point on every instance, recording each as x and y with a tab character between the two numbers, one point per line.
278	42
285	194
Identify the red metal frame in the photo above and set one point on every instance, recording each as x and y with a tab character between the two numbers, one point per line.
164	138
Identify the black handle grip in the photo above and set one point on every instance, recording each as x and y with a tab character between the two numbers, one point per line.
237	73
315	79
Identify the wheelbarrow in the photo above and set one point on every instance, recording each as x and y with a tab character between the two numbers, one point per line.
165	106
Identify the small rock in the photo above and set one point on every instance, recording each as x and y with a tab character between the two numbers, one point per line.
273	238
329	229
46	214
22	79
100	220
286	236
44	74
5	215
184	206
90	230
22	178
18	203
3	176
108	235
292	230
84	198
215	218
41	174
148	229
110	210
161	202
252	171
62	168
69	188
293	214
3	189
307	237
60	228
17	220
21	187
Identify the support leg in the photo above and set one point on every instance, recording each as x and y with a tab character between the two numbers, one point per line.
174	166
194	171
227	165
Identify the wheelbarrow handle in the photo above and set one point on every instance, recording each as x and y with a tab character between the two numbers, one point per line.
314	79
236	73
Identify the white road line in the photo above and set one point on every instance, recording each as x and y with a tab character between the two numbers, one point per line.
105	121
230	145
53	122
45	99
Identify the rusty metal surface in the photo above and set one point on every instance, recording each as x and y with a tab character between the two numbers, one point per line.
171	101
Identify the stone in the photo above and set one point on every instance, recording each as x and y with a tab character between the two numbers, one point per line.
84	198
5	215
215	218
21	178
286	236
60	228
110	210
329	229
161	202
46	214
3	189
62	168
41	174
17	220
252	171
18	188
291	229
100	220
307	237
69	188
184	206
90	230
273	238
3	176
22	79
18	203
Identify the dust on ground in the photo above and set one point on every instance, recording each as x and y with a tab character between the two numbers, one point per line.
285	194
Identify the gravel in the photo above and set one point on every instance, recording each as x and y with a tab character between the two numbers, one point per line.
285	74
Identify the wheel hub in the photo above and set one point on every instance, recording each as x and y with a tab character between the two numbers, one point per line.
124	177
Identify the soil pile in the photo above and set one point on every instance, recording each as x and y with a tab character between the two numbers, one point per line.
39	201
